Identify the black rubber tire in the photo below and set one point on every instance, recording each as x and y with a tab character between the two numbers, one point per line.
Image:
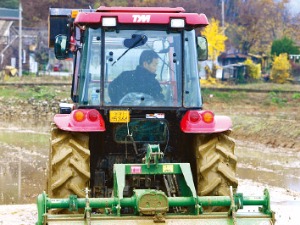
69	163
216	164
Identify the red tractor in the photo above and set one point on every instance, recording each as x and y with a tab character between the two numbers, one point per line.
137	128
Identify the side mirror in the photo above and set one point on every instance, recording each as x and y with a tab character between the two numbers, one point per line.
61	47
202	48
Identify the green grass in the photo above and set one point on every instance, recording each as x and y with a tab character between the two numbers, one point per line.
296	96
7	93
39	92
268	86
36	92
228	96
277	99
267	99
32	78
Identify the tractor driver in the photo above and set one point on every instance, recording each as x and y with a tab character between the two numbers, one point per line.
141	80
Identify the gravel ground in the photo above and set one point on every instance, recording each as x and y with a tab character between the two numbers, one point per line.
285	204
18	214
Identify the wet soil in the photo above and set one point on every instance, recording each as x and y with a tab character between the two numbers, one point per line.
261	117
268	148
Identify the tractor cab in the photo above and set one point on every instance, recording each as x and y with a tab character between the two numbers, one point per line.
109	71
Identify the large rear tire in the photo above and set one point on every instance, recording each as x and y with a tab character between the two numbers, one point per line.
216	164
69	163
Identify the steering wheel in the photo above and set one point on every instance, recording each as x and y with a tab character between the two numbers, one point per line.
137	99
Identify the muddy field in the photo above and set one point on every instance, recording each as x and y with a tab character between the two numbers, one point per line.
266	127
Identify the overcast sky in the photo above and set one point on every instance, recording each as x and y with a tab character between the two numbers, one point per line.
294	6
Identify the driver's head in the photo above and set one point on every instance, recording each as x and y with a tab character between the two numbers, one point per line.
149	60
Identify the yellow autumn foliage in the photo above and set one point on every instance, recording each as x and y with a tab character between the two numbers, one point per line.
280	72
208	82
216	39
253	70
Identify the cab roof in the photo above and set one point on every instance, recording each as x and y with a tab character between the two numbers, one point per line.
141	9
141	15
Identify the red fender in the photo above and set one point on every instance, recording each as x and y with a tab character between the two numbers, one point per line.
200	121
81	120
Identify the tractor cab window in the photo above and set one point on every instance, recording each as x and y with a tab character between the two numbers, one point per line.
91	68
191	93
139	68
143	68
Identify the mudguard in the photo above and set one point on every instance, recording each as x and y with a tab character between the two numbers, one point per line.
92	121
216	125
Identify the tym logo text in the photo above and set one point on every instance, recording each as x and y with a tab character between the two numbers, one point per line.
141	18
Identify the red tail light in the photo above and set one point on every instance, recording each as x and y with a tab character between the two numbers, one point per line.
93	115
204	121
194	116
81	120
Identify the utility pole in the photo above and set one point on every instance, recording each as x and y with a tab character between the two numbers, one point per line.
223	17
20	40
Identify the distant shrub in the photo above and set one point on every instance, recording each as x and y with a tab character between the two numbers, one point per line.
277	99
296	96
253	70
280	72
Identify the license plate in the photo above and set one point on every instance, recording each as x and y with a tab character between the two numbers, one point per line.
119	116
